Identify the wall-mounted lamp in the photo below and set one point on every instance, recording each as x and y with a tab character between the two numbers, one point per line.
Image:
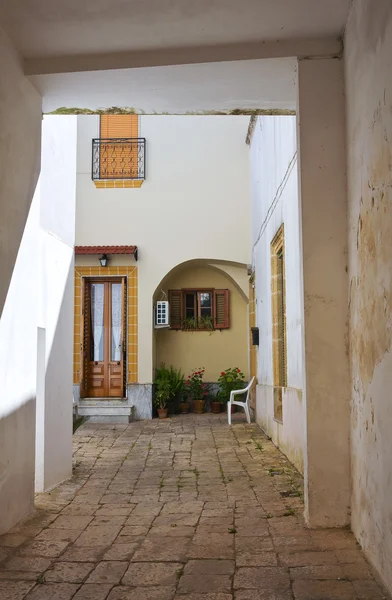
104	260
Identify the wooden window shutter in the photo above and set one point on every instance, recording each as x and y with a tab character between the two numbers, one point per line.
222	309
119	126
175	304
116	159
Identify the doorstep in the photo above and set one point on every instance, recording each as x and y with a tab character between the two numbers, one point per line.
106	410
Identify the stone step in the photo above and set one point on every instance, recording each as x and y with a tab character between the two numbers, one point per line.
101	410
103	402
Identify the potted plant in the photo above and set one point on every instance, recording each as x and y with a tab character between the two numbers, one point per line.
203	322
189	323
223	403
177	387
196	390
206	322
162	390
215	405
229	380
169	387
161	398
184	406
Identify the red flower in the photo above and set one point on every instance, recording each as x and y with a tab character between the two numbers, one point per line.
223	373
238	370
188	383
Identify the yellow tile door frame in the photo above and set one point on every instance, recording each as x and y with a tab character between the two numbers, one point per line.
132	318
278	305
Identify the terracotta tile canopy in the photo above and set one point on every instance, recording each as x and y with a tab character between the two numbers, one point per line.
107	250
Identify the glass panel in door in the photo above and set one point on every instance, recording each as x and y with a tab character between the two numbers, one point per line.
116	364
96	376
97	321
116	342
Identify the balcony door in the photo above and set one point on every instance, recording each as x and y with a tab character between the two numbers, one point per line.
103	341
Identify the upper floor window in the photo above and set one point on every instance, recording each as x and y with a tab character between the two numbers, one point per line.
199	309
119	153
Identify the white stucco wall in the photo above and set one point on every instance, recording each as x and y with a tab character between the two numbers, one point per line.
55	317
274	197
323	200
20	137
368	51
20	126
194	203
38	312
18	355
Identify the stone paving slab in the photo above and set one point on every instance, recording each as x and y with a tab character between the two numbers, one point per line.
181	509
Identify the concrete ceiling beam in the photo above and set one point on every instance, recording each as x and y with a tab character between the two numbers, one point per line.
302	48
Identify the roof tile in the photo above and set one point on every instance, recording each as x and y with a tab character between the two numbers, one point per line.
105	249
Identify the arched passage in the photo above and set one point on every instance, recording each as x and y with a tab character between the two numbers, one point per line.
188	344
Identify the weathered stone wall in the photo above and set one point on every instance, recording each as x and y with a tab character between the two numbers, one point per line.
368	51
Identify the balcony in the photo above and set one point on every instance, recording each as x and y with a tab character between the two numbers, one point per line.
118	159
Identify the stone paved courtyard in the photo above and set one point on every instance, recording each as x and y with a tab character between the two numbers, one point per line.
185	508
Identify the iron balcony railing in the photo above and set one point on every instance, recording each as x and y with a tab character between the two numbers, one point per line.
119	158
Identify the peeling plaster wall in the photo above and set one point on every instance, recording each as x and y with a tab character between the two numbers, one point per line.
274	199
368	51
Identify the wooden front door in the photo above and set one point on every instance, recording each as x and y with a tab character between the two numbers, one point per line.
103	340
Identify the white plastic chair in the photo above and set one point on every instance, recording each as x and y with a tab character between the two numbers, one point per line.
245	405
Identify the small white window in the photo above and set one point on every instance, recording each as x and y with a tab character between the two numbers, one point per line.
162	314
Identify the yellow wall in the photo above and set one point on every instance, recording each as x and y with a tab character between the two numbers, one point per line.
130	272
214	350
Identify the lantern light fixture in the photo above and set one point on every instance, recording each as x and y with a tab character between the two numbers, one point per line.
104	260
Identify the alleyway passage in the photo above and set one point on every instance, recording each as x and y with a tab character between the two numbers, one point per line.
184	509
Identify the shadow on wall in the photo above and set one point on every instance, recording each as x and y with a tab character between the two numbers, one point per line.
39	299
17	460
54	430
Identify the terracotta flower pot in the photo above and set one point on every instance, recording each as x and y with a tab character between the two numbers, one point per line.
184	408
215	407
198	406
171	408
162	413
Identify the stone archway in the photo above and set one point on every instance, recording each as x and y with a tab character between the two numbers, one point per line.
214	349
